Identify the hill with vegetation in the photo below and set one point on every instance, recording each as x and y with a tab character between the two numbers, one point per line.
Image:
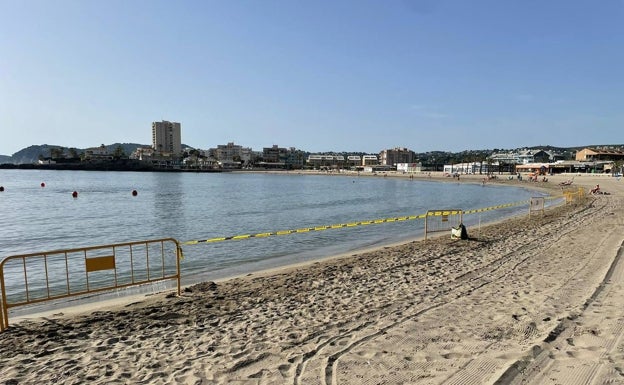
32	154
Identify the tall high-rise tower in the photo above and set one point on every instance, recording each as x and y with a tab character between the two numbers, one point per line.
166	137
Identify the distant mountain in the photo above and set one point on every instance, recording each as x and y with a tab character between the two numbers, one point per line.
32	154
128	148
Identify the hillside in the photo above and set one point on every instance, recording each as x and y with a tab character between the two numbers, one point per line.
33	153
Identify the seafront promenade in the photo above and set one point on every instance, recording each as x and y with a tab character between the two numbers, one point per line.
529	300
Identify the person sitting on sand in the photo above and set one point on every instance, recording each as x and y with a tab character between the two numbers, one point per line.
595	190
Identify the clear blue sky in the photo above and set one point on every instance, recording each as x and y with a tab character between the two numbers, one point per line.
316	75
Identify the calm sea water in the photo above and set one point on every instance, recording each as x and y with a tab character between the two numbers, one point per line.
196	206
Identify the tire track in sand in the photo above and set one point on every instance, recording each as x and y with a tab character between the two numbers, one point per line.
465	284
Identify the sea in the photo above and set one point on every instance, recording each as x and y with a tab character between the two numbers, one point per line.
38	212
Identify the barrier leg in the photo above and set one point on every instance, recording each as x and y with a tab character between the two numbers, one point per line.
3	324
2	327
4	314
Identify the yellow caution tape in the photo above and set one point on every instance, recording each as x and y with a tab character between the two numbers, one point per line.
361	223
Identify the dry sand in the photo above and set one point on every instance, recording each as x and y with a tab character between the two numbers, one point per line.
535	300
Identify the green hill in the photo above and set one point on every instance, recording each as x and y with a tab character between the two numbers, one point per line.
32	154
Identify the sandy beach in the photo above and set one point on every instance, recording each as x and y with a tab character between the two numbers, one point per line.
530	300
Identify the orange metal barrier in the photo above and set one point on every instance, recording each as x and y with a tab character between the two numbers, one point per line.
52	275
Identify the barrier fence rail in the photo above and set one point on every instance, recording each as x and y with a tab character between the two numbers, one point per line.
571	195
442	220
56	274
59	274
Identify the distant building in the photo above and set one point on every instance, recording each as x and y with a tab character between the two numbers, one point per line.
467	168
166	138
295	159
593	154
526	157
370	160
142	153
232	153
506	157
317	160
354	160
274	154
325	161
396	155
541	156
409	167
97	153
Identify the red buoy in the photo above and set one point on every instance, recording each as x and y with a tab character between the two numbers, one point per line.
75	194
42	184
134	193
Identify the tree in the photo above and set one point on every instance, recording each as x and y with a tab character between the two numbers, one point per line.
119	153
56	152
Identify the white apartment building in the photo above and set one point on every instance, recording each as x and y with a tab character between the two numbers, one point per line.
409	167
317	160
370	160
166	137
232	152
98	153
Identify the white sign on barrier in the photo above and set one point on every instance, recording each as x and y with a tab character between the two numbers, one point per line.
536	204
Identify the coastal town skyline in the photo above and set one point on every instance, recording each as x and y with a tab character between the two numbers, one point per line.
167	139
167	145
348	76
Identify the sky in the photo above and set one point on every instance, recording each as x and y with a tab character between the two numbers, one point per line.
352	75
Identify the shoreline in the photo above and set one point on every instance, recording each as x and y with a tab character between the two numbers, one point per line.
423	312
103	301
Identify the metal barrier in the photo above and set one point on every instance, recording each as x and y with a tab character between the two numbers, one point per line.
572	195
442	220
536	204
113	266
52	275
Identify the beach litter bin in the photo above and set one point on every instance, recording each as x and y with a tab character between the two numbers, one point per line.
459	232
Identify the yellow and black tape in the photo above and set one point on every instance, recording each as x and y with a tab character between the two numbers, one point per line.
306	229
437	213
497	207
354	224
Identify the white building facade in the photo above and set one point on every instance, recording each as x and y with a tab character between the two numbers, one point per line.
166	137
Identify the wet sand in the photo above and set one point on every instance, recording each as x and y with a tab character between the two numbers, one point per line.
537	300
